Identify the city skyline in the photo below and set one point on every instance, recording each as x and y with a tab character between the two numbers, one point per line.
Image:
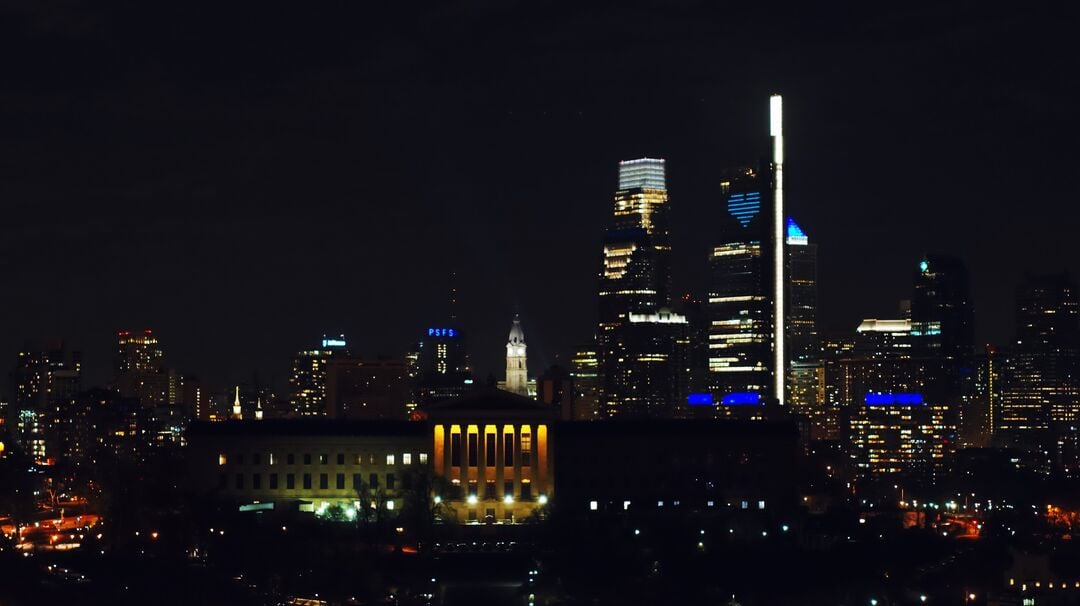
539	304
217	231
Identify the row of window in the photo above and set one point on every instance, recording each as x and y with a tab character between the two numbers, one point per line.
273	481
324	459
473	445
457	492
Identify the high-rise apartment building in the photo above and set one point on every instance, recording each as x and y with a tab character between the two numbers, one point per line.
140	370
307	381
45	378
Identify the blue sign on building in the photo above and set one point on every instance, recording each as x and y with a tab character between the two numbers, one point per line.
441	332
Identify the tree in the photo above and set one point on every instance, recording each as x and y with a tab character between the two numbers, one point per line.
17	497
422	506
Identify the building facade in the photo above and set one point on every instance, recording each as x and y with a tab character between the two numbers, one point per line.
491	450
308	465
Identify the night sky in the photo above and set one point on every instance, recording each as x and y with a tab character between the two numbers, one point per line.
244	177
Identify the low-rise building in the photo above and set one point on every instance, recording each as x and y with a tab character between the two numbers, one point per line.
307	464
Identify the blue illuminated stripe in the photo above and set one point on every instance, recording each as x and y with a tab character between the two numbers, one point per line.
894	399
700	399
744	206
741	398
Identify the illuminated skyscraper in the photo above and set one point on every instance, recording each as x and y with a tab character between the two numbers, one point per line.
441	370
584	373
806	373
140	370
740	299
307	382
1041	374
138	351
636	273
748	359
899	426
46	378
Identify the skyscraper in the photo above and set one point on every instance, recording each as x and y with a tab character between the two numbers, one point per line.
140	369
942	320
45	378
1041	384
584	373
898	426
307	381
740	299
441	370
636	273
748	359
806	374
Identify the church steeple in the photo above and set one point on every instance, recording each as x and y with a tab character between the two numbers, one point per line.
237	413
517	375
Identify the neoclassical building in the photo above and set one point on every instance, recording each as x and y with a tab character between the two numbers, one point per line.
492	449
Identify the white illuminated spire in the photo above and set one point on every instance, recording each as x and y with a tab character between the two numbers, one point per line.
776	130
237	413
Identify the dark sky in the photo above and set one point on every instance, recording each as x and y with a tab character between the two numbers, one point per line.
243	177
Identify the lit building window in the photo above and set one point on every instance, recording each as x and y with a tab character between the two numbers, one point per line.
389	459
423	458
406	459
221	459
761	504
390	504
593	505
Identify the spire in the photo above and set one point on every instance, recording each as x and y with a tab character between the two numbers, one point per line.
237	413
258	409
517	377
517	335
453	298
